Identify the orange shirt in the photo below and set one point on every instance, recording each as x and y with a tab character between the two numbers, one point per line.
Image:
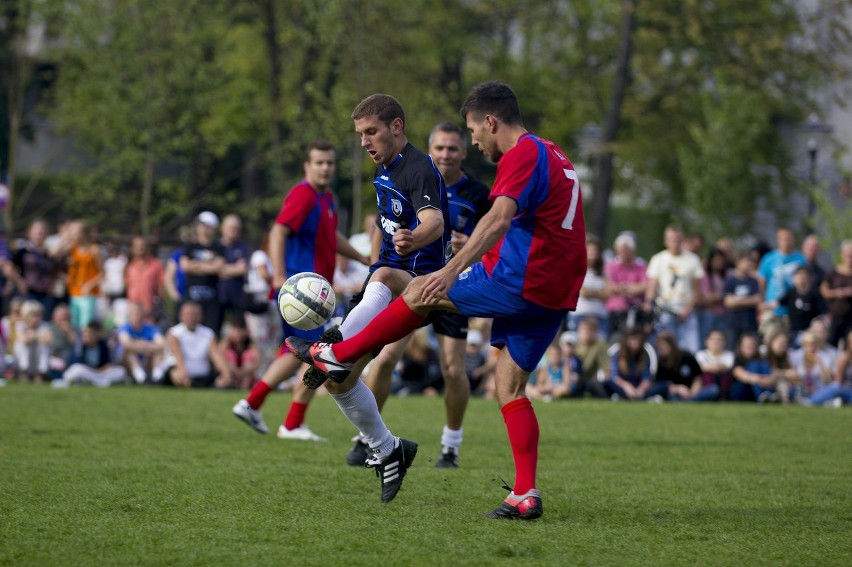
143	280
84	267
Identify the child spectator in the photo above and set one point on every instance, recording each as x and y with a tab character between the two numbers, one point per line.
803	302
716	364
141	345
839	391
741	297
680	371
32	343
559	375
783	373
631	373
594	359
63	339
752	374
242	356
419	369
91	362
812	367
9	325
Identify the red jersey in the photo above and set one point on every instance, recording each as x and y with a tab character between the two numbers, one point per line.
312	220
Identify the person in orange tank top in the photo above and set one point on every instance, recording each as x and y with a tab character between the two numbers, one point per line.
85	272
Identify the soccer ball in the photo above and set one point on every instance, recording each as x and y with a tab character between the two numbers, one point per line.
306	301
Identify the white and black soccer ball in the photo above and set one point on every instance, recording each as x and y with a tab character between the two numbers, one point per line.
306	301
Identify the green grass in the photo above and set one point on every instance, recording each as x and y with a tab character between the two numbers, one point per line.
146	476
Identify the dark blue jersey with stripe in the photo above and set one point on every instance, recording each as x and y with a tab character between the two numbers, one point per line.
409	184
468	201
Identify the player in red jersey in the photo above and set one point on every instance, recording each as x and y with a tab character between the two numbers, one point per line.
536	221
304	238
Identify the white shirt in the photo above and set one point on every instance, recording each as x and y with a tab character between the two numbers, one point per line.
674	275
195	346
255	284
704	357
588	305
113	283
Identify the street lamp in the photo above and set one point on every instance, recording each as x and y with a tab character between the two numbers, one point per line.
816	131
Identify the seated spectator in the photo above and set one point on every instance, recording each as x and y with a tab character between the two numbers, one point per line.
476	363
241	355
593	293
819	329
63	339
679	371
839	391
716	364
594	359
803	302
91	362
631	374
711	312
419	370
9	326
141	345
752	374
813	368
783	373
836	289
559	374
741	296
32	343
192	356
626	282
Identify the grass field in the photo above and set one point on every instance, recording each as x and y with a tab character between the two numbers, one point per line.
148	476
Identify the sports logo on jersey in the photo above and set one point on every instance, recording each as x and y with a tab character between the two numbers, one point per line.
448	252
396	205
389	226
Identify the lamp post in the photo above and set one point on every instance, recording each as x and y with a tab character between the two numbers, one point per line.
816	132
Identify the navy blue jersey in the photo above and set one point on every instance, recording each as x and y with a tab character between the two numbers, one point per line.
468	200
411	183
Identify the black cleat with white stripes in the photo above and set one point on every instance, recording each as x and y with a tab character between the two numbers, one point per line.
392	470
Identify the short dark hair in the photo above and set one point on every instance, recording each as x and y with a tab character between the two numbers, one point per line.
384	106
450	128
495	98
320	145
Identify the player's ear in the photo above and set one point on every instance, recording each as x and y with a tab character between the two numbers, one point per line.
491	122
397	126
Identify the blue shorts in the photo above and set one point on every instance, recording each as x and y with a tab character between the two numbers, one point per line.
524	328
312	335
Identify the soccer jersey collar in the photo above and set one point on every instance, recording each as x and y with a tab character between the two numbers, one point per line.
397	159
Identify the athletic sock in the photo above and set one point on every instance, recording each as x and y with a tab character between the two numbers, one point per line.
258	395
451	439
359	407
390	325
376	297
522	426
295	416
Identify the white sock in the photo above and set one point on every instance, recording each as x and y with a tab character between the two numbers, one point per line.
359	407
377	296
139	375
451	439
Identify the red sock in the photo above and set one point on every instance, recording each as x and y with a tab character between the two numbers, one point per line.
258	394
522	426
296	416
392	324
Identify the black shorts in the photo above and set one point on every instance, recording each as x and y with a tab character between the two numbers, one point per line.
448	323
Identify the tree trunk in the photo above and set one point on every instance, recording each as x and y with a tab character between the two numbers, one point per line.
13	85
604	182
147	190
273	55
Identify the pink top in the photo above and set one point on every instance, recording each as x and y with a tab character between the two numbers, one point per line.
619	273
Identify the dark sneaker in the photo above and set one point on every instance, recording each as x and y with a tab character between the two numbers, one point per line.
319	355
449	459
525	507
313	377
392	470
358	454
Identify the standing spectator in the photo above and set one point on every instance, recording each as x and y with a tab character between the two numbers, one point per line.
813	368
174	278
232	277
32	343
712	312
477	364
192	348
631	374
776	277
35	268
674	277
626	282
91	362
85	274
751	370
64	338
839	391
113	286
594	292
716	365
741	296
141	344
803	302
726	245
241	355
263	327
836	288
202	261
681	372
694	243
144	278
810	251
594	360
349	277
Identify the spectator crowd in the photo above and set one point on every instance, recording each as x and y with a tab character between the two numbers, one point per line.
692	323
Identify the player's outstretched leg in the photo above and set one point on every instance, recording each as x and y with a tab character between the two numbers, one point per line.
392	469
319	355
314	377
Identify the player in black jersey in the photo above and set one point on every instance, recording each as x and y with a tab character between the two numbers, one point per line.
413	239
468	202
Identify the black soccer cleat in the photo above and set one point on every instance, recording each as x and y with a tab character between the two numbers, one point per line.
392	470
449	459
524	507
358	454
313	377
